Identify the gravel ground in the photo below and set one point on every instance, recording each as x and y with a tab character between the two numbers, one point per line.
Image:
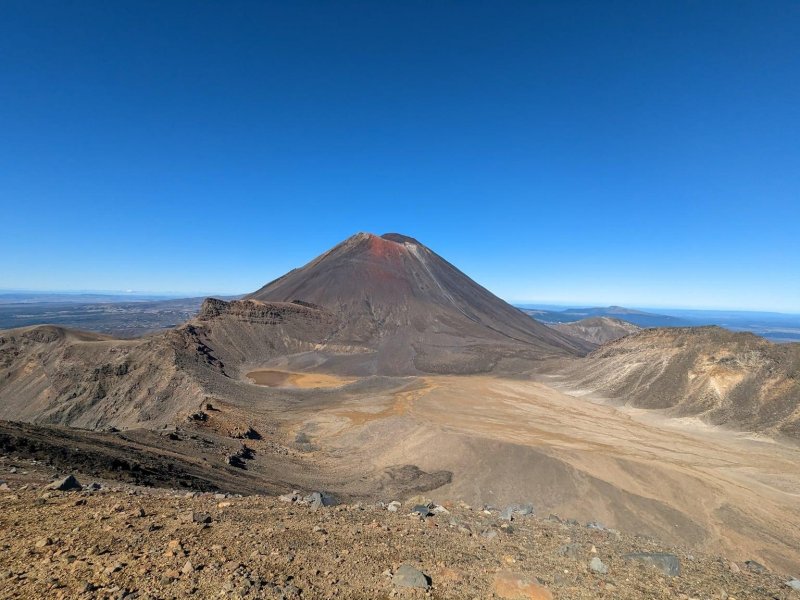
123	541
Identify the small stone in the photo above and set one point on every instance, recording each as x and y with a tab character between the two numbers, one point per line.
572	551
174	548
734	568
169	576
597	566
409	577
44	542
187	568
291	498
115	568
516	586
393	506
794	584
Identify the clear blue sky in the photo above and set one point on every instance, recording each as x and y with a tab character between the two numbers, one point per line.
640	153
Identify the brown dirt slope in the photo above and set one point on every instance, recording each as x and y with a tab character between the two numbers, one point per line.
738	380
55	375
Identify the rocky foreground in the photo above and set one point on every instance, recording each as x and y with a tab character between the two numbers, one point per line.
72	538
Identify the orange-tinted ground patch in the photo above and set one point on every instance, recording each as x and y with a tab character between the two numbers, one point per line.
272	378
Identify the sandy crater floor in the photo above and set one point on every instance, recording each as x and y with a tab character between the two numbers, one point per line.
518	440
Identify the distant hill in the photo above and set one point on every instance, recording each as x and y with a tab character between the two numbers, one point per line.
776	327
636	317
597	330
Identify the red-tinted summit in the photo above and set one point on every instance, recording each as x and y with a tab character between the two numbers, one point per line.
397	297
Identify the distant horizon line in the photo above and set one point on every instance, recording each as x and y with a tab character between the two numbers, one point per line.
542	304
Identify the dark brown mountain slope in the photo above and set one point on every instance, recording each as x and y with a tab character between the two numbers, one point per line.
739	380
419	313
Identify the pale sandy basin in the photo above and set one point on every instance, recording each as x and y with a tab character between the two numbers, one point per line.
513	441
288	379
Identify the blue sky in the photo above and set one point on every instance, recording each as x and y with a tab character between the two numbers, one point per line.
584	152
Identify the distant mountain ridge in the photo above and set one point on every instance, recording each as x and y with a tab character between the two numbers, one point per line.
636	317
738	380
776	327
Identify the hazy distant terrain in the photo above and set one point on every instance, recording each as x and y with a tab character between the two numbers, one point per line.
776	327
112	314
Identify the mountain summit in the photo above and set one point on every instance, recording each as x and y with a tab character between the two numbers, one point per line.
369	306
398	297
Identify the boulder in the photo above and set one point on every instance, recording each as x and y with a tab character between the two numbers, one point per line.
422	510
66	484
668	564
754	566
245	433
235	460
190	516
409	577
516	510
317	500
597	566
314	500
